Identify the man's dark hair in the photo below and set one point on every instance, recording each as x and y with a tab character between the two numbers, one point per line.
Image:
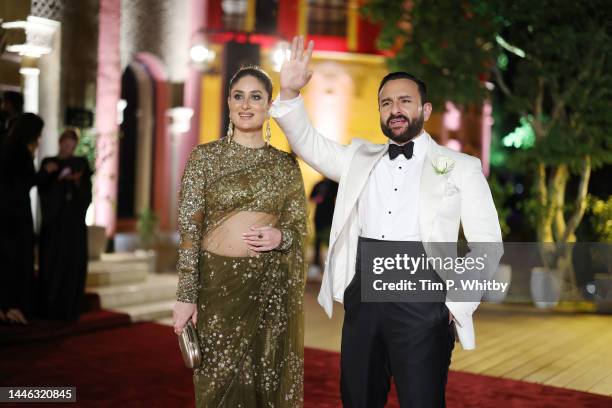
254	71
15	99
404	75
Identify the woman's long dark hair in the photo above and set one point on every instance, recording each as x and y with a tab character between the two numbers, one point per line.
26	130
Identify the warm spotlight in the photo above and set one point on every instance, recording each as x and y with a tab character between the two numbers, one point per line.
200	53
280	54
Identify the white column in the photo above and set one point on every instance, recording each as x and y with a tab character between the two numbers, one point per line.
30	104
50	66
43	47
30	89
180	123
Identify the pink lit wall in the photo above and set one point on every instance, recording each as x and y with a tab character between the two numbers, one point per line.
468	131
192	90
107	95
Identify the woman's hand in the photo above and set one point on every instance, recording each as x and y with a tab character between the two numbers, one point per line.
76	177
65	173
51	167
295	73
182	313
261	239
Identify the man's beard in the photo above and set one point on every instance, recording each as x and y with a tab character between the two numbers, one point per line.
412	130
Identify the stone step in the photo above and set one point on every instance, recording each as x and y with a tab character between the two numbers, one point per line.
165	321
148	311
120	268
105	275
155	288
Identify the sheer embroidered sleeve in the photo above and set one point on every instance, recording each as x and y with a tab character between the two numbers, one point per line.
191	214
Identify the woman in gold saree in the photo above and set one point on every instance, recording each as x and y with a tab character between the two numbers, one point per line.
242	221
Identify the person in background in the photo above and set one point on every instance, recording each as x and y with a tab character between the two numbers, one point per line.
17	177
324	196
11	106
64	185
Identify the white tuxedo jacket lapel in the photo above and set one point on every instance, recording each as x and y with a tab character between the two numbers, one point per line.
357	174
354	179
431	191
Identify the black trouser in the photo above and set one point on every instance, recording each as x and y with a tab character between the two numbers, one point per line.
410	341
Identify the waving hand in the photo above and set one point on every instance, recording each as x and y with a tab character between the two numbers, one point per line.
295	73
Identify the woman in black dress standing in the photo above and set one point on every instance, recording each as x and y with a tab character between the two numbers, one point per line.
64	185
17	177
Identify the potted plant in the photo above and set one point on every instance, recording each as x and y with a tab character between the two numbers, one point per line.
96	241
96	234
147	227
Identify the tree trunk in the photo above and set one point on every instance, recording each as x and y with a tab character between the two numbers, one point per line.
559	183
565	268
545	215
544	224
581	201
555	234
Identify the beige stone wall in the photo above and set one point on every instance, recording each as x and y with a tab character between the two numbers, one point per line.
159	27
79	53
78	50
10	63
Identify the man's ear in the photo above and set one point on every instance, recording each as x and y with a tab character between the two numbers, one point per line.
427	109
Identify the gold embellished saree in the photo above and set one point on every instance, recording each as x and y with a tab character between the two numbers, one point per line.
250	306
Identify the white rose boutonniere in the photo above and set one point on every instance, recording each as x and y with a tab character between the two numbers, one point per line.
443	165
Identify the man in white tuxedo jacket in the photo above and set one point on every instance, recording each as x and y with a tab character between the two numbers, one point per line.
409	189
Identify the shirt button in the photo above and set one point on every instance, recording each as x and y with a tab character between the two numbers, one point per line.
395	189
383	236
389	212
400	167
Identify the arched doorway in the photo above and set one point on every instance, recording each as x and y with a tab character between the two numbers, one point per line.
136	146
144	149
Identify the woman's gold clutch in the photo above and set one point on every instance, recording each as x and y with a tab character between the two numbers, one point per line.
190	348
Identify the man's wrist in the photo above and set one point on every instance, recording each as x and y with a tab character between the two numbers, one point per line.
286	94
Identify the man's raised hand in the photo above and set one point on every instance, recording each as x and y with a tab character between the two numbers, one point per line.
295	72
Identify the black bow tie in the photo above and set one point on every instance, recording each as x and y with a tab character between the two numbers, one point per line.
396	150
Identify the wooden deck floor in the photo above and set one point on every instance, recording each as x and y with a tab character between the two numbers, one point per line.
517	342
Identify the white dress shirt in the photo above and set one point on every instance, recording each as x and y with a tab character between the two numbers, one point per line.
389	204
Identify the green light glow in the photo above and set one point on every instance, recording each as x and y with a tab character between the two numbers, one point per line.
502	61
522	137
509	47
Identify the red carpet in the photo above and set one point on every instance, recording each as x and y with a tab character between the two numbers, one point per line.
91	319
140	365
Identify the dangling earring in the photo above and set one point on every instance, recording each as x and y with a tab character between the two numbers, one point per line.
268	133
230	131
